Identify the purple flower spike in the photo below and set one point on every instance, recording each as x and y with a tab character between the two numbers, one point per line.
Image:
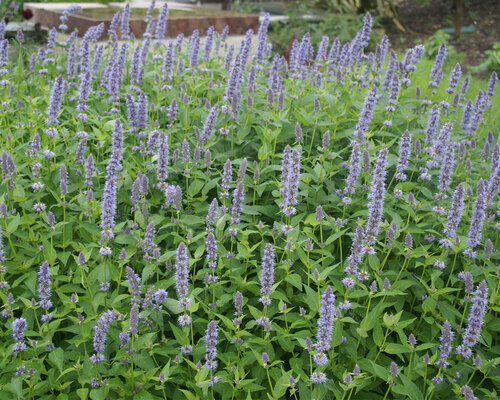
447	167
226	178
366	115
394	370
211	249
134	282
210	345
318	378
356	256
478	217
209	40
125	23
44	283
181	271
476	321
18	328
404	156
210	123
55	101
432	124
162	163
100	333
454	216
352	177
290	177
492	83
238	304
468	393
267	275
446	340
325	322
437	68
376	197
454	78
238	197
212	213
148	246
161	27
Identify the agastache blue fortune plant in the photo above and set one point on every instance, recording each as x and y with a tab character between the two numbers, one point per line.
140	161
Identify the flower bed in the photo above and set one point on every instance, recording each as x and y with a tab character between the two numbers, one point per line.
188	220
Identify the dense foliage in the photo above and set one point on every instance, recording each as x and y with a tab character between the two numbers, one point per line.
185	219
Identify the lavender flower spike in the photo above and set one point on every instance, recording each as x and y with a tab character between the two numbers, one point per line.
446	340
437	68
354	168
432	124
267	275
211	249
109	197
210	345
134	282
325	322
454	78
55	100
404	155
467	392
226	178
366	115
290	177
210	123
356	256
376	197
454	216
478	217
162	163
100	333
238	197
18	328
44	283
212	213
476	320
181	272
161	27
182	282
126	22
447	167
63	180
148	246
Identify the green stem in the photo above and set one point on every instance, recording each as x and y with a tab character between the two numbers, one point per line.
382	345
387	392
270	384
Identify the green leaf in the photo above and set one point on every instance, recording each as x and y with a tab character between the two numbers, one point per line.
173	306
396	348
380	371
411	389
82	393
16	385
13	224
295	280
57	357
144	361
378	335
361	332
